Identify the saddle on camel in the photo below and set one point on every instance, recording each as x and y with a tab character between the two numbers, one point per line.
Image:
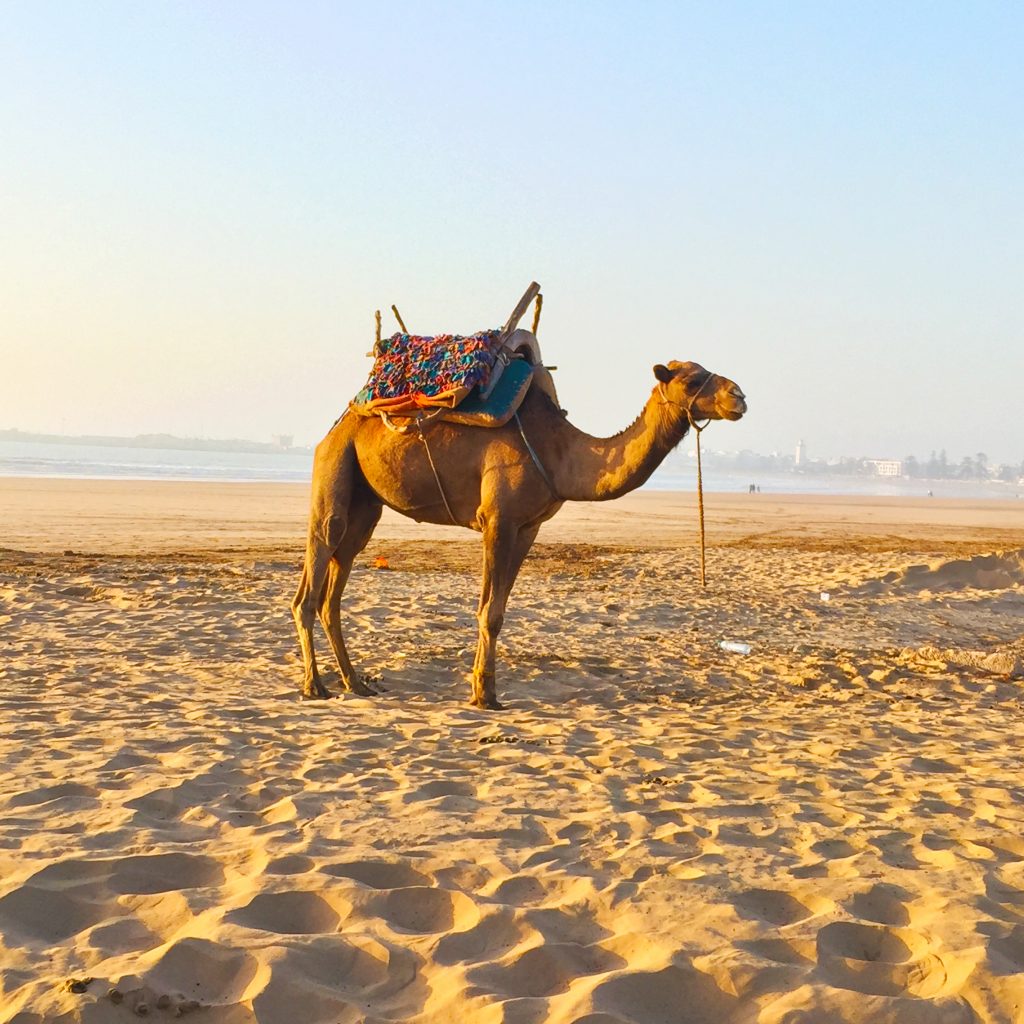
467	431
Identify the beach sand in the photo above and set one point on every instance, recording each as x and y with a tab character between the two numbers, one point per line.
656	831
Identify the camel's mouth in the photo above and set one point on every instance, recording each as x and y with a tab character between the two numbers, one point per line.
731	404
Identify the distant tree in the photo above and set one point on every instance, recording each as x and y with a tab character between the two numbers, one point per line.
942	466
967	470
981	465
1007	473
911	467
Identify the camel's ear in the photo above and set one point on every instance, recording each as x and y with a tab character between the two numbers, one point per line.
663	373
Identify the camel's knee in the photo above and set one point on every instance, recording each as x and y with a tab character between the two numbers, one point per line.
330	530
491	620
330	614
304	615
304	605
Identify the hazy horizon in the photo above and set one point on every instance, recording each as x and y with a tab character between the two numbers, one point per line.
202	206
952	456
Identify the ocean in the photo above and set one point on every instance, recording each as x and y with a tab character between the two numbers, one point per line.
677	473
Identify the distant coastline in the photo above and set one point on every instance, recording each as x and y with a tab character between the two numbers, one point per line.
162	442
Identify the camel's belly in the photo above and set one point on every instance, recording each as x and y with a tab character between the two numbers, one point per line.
401	476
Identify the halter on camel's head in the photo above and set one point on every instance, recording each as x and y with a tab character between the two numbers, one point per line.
702	395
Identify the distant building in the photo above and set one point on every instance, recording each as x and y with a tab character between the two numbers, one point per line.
283	440
801	454
885	467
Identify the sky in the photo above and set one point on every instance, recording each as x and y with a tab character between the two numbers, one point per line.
201	206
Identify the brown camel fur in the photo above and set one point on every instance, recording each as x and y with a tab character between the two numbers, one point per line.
492	485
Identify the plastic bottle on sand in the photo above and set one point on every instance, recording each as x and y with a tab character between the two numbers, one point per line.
736	648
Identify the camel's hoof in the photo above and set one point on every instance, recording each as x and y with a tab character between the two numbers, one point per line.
487	704
360	689
317	693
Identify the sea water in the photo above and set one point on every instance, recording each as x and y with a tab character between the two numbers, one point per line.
678	473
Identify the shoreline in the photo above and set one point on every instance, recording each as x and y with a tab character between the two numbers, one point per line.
991	490
49	515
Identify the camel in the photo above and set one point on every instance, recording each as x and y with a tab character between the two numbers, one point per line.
503	482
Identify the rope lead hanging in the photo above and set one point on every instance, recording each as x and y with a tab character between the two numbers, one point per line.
688	409
700	505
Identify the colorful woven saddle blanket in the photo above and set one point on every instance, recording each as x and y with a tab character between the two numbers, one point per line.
413	373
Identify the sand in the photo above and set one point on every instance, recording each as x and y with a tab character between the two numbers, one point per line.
656	831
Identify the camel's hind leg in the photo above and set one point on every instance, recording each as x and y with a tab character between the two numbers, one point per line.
364	515
304	606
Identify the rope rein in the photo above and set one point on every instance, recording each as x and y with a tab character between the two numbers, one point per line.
697	430
700	507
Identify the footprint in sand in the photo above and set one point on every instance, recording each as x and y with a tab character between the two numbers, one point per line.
1006	884
164	872
72	792
332	979
125	933
518	891
378	874
44	916
288	913
780	908
283	995
440	788
1006	951
291	864
883	904
422	910
65	874
886	961
489	939
545	970
659	997
834	849
898	850
204	970
792	952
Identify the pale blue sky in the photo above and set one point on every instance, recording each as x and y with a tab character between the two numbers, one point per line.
202	204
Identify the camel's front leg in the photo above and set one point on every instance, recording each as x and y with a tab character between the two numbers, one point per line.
505	548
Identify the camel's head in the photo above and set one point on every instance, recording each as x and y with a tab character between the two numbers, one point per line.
705	394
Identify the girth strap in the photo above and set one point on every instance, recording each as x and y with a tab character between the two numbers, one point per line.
437	476
536	461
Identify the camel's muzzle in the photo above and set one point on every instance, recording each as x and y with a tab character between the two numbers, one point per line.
732	403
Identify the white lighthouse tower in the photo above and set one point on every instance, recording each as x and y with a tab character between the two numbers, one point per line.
801	454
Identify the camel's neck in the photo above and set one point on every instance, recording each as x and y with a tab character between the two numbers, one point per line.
586	468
